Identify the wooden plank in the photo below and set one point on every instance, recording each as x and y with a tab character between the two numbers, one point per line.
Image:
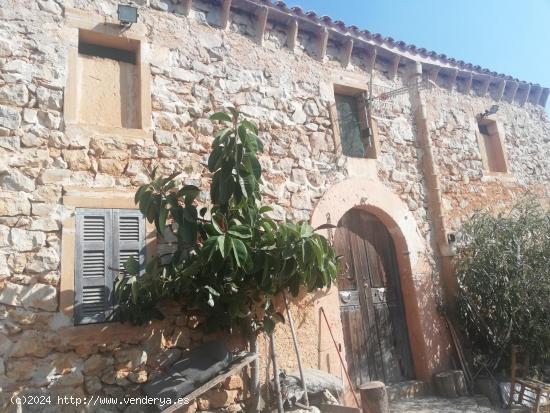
234	367
332	408
363	285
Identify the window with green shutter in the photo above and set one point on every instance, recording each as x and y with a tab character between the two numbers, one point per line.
355	134
105	239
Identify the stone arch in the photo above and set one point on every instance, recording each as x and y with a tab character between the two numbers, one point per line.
427	330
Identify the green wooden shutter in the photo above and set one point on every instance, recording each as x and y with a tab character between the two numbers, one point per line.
93	263
105	239
349	122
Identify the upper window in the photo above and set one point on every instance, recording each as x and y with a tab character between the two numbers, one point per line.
108	81
491	144
105	239
356	137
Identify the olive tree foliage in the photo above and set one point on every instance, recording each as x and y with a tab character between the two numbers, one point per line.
503	266
231	257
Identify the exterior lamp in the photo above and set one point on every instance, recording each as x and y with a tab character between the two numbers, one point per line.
491	111
127	14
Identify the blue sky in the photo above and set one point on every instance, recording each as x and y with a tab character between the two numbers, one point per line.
507	36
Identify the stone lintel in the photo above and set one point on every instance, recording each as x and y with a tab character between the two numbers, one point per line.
224	17
292	34
261	24
322	43
348	50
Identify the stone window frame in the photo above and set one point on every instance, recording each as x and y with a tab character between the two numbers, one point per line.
499	134
111	34
81	197
352	87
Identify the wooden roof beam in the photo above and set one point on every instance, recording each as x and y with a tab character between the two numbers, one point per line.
526	90
322	41
453	74
468	83
484	86
394	66
513	92
292	34
224	17
261	24
536	92
500	89
371	62
433	73
187	4
544	97
347	52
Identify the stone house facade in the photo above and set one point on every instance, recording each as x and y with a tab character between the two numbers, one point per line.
86	105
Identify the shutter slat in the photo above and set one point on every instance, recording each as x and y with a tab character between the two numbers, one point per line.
94	228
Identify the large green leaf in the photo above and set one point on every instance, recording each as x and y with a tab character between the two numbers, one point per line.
222	116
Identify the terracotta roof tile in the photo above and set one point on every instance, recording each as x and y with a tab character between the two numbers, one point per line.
327	21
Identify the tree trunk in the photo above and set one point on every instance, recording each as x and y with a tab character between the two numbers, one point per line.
276	374
255	386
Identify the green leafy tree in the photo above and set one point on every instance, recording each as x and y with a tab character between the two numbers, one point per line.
231	258
503	266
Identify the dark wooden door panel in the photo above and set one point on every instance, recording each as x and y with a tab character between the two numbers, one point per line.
373	318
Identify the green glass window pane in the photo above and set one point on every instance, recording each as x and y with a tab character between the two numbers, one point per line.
350	126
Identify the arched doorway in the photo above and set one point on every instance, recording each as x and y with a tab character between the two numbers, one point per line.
371	301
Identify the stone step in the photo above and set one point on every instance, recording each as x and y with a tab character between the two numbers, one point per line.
407	390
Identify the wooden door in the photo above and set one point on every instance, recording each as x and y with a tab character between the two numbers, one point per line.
371	302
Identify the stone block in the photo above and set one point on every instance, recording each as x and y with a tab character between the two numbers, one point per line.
96	364
14	203
54	176
30	344
19	370
112	167
22	240
47	259
130	358
41	296
14	180
14	95
77	160
11	293
9	117
216	399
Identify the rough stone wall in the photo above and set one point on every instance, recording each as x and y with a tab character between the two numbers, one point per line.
466	186
197	68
